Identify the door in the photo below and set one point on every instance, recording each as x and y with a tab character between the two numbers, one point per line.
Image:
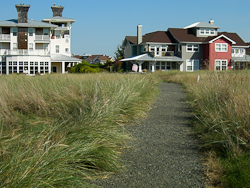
22	38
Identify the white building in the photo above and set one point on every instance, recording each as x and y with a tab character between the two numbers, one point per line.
38	46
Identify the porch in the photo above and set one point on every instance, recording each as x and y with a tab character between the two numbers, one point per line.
148	62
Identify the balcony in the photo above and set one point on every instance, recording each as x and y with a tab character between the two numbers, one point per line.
42	37
162	54
24	52
5	37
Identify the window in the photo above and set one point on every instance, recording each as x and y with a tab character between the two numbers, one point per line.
30	31
46	31
30	46
14	46
192	64
192	47
57	49
238	51
164	48
66	38
220	64
66	50
179	47
163	66
144	48
152	48
204	31
57	33
221	47
14	30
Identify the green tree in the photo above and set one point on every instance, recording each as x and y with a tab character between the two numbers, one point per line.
119	52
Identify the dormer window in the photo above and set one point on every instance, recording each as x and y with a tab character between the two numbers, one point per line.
204	31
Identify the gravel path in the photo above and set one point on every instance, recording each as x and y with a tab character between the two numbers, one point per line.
164	153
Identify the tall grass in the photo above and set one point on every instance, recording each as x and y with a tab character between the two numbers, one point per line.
221	104
61	130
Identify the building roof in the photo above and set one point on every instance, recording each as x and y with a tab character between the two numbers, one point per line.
60	57
186	35
235	37
202	25
148	57
154	37
100	57
31	23
59	19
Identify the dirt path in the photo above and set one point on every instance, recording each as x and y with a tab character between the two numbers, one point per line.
163	154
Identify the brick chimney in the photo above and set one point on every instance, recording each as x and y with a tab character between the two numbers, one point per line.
22	11
57	10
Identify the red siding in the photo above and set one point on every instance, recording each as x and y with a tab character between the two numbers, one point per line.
220	55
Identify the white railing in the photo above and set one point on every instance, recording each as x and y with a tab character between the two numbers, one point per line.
5	37
42	37
24	52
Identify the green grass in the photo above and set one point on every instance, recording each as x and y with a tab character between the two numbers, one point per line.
62	130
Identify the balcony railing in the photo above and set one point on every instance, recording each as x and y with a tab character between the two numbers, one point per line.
162	54
42	37
5	37
24	52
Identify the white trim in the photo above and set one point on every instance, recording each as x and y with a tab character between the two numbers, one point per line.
211	41
192	64
220	64
192	46
220	47
240	46
209	31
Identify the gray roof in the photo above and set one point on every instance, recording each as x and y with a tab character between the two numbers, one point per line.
245	58
31	23
202	25
148	57
60	57
59	19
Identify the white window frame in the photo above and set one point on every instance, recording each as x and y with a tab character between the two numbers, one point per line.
66	38
31	31
14	30
204	31
14	46
220	61
57	49
193	47
218	47
45	31
31	46
191	63
57	34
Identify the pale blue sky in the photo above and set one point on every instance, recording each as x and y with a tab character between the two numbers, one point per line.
102	24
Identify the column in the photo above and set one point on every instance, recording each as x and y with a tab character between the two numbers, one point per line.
63	67
153	65
140	67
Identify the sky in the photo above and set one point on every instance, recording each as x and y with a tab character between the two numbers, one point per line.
101	25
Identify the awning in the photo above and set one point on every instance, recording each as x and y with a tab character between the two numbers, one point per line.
60	58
